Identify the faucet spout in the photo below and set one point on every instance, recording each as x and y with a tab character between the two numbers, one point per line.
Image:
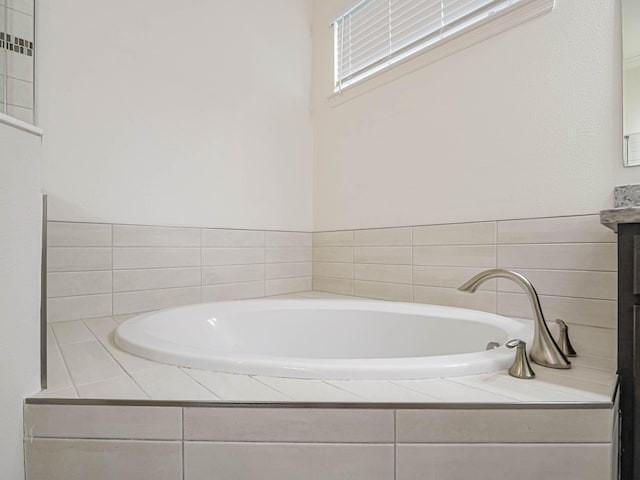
544	349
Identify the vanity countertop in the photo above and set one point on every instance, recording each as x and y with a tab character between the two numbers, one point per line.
613	217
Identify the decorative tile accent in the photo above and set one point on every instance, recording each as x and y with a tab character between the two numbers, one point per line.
16	44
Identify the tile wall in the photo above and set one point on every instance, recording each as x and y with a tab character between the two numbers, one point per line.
100	270
174	443
572	262
17	58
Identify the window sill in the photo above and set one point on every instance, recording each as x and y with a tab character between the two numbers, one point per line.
20	125
490	27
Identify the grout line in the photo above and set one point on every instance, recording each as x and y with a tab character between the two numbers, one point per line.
64	362
184	370
126	371
269	386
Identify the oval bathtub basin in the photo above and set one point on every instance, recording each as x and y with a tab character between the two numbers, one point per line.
324	339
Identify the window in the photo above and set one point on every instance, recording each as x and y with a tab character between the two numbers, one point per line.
378	33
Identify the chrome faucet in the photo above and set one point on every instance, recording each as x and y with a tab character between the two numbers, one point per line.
544	349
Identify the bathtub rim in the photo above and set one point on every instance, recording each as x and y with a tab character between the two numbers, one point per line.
400	368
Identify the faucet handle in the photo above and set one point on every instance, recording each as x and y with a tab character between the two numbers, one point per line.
521	367
563	341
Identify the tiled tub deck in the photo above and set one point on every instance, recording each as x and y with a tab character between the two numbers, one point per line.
112	415
83	362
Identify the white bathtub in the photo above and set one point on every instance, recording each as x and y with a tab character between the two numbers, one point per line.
324	339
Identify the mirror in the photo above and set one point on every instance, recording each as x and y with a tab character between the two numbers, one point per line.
631	81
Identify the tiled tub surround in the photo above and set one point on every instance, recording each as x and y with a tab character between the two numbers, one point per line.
193	443
571	261
98	270
16	58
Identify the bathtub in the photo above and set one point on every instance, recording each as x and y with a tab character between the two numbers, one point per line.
324	339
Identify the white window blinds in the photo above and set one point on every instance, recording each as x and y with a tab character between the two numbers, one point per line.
377	33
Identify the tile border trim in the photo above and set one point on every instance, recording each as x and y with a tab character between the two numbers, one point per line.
330	405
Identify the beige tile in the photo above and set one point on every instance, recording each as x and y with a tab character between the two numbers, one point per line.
578	229
232	273
72	332
20	93
481	300
66	393
146	300
333	285
456	256
581	311
383	291
57	374
333	239
233	291
154	278
21	113
232	238
287	239
380	391
451	277
383	255
89	362
97	421
382	237
123	318
308	390
63	309
63	234
263	461
241	388
287	254
524	461
566	283
583	378
65	284
333	254
287	285
441	390
594	342
504	426
113	388
482	233
103	329
62	459
73	259
530	391
288	270
607	364
232	256
288	425
568	256
154	257
145	236
329	269
25	6
170	383
383	273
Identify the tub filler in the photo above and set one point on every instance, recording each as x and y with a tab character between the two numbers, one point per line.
324	339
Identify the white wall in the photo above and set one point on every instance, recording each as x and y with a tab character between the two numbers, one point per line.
19	289
525	124
177	113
